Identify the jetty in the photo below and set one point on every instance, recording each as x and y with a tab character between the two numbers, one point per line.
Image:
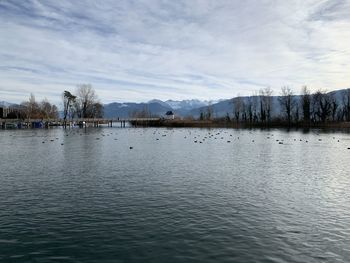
81	122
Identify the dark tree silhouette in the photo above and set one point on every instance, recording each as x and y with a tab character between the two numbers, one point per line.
68	100
287	102
322	105
306	104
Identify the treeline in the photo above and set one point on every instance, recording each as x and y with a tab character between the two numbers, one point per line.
32	109
83	104
288	108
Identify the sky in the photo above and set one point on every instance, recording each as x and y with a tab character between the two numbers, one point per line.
185	49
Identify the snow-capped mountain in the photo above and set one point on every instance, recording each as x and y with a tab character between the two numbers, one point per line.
186	104
154	107
164	104
128	109
181	104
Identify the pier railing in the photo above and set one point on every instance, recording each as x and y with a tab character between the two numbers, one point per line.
84	122
81	120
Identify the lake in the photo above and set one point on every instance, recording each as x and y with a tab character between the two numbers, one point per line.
156	195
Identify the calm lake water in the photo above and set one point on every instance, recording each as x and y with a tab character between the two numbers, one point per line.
88	197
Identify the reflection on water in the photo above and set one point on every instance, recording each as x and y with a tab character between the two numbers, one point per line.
234	195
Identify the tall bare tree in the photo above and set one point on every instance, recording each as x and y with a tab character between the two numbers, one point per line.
287	102
48	110
31	108
237	107
87	103
209	114
306	103
265	104
255	106
334	107
249	109
322	105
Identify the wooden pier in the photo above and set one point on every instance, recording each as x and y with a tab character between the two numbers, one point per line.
82	123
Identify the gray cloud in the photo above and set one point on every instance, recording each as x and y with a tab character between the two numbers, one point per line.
139	50
332	10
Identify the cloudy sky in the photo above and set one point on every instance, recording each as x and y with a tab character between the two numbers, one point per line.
140	50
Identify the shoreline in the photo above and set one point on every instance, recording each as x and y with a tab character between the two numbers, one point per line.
240	125
176	123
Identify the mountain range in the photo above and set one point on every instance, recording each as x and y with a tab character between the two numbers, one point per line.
195	107
182	108
185	108
153	107
5	104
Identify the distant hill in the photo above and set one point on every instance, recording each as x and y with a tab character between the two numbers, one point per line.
154	107
124	110
194	107
6	104
185	108
219	109
186	104
224	107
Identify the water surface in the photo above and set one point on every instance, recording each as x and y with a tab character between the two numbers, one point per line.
232	196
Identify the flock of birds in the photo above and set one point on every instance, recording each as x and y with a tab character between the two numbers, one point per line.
195	135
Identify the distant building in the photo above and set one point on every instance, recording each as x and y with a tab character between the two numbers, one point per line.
169	115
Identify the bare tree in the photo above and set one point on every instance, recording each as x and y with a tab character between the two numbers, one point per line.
265	104
86	99
227	117
48	110
201	116
249	109
306	103
296	113
237	107
334	107
244	111
31	108
287	102
35	110
322	105
209	114
255	106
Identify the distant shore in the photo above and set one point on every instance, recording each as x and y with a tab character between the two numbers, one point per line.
218	123
172	123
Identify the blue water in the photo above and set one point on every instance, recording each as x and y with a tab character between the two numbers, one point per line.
234	196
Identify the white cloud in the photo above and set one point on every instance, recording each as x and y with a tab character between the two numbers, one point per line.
140	50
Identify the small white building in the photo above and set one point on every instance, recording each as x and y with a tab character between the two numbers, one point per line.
169	115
